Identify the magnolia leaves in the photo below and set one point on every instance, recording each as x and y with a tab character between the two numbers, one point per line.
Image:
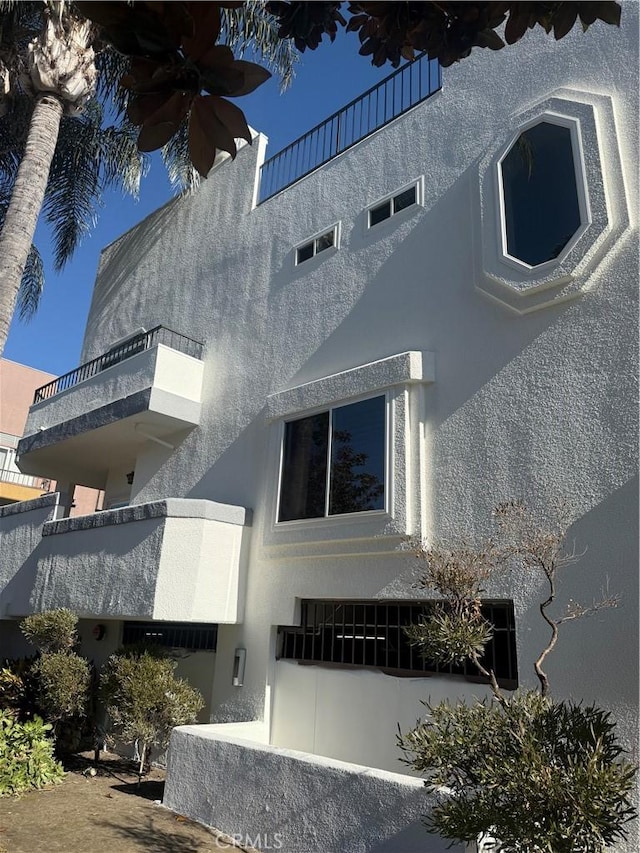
447	31
177	73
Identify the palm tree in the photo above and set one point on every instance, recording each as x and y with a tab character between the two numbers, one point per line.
56	155
56	68
88	158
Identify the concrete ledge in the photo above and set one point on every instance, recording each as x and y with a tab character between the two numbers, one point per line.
169	508
87	421
27	506
407	367
293	801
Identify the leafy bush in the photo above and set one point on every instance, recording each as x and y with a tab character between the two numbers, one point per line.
51	631
535	773
26	755
18	687
538	774
12	690
145	700
63	685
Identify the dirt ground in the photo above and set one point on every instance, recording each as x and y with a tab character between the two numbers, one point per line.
106	813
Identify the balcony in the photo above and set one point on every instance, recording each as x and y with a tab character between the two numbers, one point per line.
172	560
407	87
101	414
15	486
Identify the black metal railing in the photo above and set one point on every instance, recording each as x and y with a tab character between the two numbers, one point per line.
371	634
132	346
195	636
409	85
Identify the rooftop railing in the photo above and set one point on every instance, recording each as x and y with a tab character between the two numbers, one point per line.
132	346
18	479
405	88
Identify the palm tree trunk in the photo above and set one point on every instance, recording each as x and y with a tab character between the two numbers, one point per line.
26	201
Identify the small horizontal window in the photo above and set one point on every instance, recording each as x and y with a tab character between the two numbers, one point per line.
388	208
370	634
173	635
334	461
313	247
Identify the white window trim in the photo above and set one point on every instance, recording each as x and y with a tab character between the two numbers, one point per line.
325	253
345	517
402	378
523	289
418	183
573	125
364	380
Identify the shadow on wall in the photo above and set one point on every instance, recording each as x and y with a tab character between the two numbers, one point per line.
554	422
420	295
608	533
117	270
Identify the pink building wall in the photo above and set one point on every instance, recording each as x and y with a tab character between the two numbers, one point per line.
18	383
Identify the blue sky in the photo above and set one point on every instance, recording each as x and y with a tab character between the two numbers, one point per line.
326	79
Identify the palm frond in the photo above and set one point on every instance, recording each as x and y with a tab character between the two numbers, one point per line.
73	189
251	28
175	155
88	159
31	286
122	164
111	67
32	282
14	127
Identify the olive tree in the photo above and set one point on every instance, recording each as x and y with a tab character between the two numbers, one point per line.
145	700
533	772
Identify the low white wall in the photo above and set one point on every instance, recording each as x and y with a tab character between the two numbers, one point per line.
353	715
278	799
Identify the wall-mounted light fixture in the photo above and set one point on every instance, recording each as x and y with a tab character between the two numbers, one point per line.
239	660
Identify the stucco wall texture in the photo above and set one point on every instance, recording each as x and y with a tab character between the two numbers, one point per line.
539	406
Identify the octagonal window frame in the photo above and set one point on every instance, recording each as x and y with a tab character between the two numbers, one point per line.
521	288
582	191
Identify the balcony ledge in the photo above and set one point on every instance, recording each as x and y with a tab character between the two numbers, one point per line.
77	434
179	560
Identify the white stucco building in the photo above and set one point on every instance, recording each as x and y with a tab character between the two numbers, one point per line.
440	317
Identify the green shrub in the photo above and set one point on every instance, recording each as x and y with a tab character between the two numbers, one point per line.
51	631
538	774
26	755
12	690
535	773
145	700
63	685
18	687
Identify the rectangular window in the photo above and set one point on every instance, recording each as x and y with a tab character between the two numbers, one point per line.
318	244
174	635
390	206
334	462
370	634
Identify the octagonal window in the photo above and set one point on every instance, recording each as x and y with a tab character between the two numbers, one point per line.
540	196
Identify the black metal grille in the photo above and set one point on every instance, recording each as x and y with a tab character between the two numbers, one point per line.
370	634
194	636
127	349
409	85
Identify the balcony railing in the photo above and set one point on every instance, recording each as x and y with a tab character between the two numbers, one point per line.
409	85
19	479
132	346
